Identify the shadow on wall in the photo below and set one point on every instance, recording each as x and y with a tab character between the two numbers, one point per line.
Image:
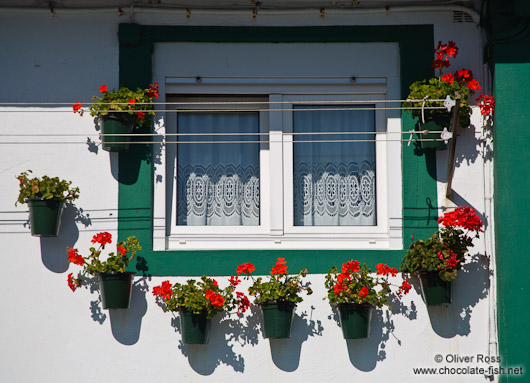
471	285
204	359
53	249
229	329
286	352
126	323
365	353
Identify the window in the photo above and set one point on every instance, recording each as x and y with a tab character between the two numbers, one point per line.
278	162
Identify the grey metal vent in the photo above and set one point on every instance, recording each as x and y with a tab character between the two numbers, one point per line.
461	17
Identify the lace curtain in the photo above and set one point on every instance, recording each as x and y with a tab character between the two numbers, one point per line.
218	184
334	182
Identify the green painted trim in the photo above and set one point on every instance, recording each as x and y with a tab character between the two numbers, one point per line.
512	221
136	176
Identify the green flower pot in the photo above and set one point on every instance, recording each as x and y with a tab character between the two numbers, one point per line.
433	123
195	327
355	320
110	125
115	289
435	291
277	319
45	216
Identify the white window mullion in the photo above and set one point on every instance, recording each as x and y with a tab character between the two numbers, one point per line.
276	165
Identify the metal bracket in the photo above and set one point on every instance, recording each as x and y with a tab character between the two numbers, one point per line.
446	135
449	103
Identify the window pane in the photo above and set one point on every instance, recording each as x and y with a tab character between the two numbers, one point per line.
334	182
218	183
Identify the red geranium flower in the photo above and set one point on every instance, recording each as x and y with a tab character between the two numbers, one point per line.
245	268
465	74
384	269
405	287
75	258
351	266
280	267
342	276
234	281
122	250
243	303
486	104
364	292
338	288
473	85
77	106
103	88
102	238
215	299
164	290
141	115
465	217
451	50
448	77
440	64
153	90
132	101
73	283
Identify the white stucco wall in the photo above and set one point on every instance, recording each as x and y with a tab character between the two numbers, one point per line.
50	334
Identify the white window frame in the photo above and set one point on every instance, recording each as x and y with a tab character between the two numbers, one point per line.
276	229
367	71
226	231
323	232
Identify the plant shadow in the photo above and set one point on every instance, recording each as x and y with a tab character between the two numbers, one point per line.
225	332
365	353
126	323
53	249
469	288
285	353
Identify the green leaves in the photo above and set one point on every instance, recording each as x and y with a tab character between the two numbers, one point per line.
128	105
434	89
45	188
280	288
115	261
193	296
358	286
444	252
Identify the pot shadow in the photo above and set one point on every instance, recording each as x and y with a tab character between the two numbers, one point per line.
53	249
365	353
204	358
125	166
469	288
285	353
126	323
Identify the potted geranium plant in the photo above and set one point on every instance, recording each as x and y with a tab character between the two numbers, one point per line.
115	283
198	302
46	198
423	99
119	113
437	260
277	297
355	291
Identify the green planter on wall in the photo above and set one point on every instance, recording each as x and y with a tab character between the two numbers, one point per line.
355	320
111	125
115	289
45	216
435	291
277	319
195	327
433	123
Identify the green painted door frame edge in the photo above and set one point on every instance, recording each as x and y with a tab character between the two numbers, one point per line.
136	167
508	39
